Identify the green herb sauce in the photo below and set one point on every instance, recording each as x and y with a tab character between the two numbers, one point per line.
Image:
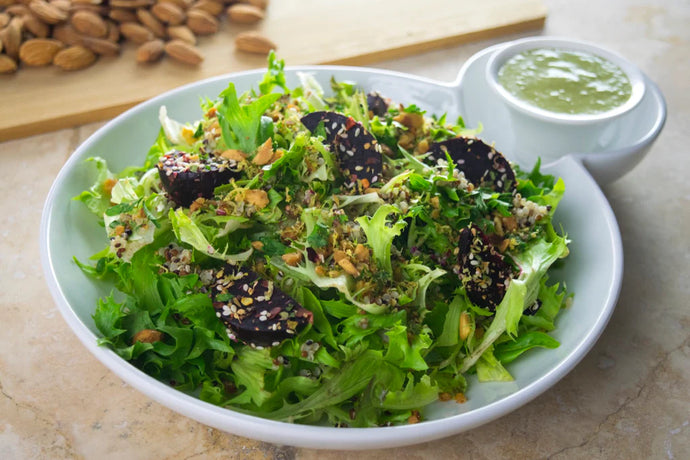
561	81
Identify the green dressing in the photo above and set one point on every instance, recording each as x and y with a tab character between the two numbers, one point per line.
562	81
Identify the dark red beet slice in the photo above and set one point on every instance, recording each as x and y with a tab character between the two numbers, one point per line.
358	152
483	270
482	164
333	123
255	310
377	104
186	178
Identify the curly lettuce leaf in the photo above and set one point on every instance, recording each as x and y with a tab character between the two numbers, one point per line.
380	235
97	197
188	232
241	124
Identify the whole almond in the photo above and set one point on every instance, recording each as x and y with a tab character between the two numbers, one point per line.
150	51
149	20
130	3
48	13
39	51
254	42
64	5
182	33
87	2
183	52
74	58
136	32
169	13
7	64
102	46
113	31
37	27
11	37
4	19
244	13
17	10
122	15
183	4
89	24
98	9
201	23
212	7
263	4
67	35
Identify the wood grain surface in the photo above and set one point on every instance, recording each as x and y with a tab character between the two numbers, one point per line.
355	32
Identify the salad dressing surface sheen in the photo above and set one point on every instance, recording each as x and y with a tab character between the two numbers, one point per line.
561	81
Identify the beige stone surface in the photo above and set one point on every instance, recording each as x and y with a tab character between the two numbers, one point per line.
629	398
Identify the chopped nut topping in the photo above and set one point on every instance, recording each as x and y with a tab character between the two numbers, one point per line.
292	258
147	336
258	198
362	253
232	154
264	153
348	267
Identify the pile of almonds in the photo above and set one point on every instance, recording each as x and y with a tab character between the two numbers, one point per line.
71	34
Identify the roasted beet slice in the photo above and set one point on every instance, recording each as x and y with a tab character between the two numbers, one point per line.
482	164
358	152
377	104
255	310
333	123
187	177
483	270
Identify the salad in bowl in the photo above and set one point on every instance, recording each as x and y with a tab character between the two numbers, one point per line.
324	257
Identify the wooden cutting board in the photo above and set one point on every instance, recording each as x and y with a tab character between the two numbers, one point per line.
353	32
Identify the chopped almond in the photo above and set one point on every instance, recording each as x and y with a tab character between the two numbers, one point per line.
258	198
339	255
423	146
510	223
147	336
292	258
411	120
108	184
465	326
264	153
196	204
362	253
349	268
258	245
188	135
232	154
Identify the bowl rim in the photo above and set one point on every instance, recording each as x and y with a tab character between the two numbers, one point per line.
510	49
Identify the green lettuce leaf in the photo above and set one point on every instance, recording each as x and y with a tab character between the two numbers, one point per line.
507	352
380	235
240	124
188	232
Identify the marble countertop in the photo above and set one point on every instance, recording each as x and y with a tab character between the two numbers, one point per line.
629	398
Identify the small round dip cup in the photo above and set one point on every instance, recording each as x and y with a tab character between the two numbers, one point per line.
543	133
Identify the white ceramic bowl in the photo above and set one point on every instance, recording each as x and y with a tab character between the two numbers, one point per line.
593	270
550	135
